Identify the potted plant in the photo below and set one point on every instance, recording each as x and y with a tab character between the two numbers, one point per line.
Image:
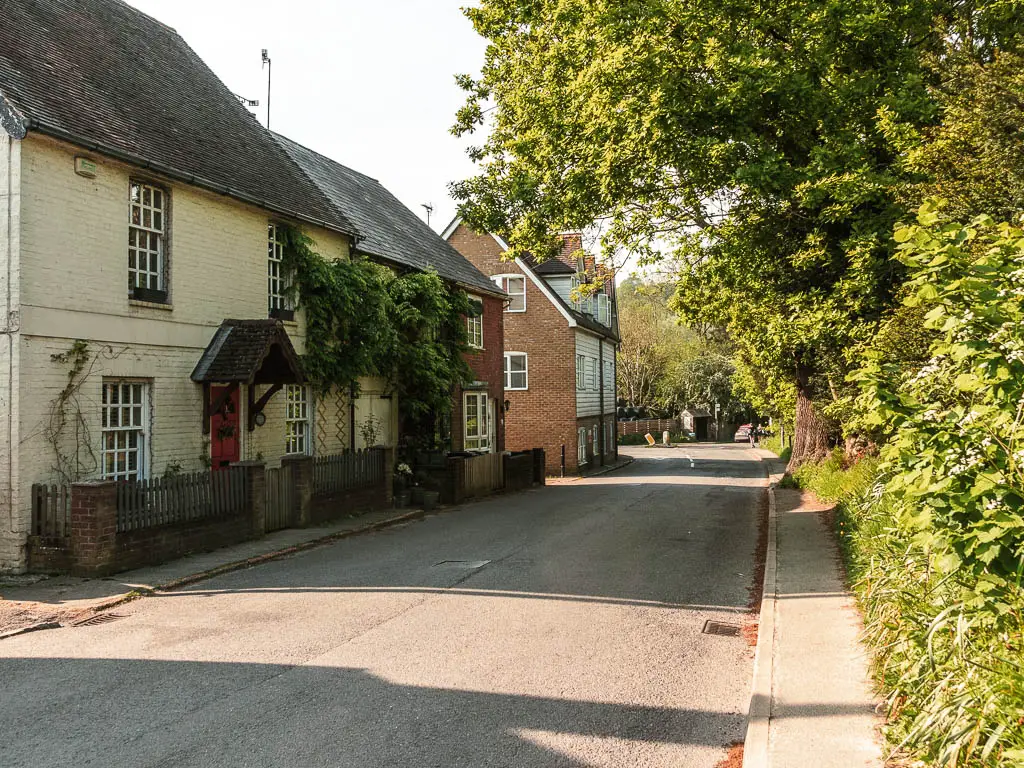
430	499
402	475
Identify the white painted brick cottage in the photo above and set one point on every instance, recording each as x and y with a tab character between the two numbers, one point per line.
138	210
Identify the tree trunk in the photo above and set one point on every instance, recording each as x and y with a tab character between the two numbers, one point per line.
811	433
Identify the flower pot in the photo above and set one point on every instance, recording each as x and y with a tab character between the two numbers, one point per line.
430	499
401	500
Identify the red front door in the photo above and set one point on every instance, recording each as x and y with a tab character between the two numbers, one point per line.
225	429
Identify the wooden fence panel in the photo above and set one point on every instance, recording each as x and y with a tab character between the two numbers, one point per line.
51	511
348	471
482	474
180	498
280	499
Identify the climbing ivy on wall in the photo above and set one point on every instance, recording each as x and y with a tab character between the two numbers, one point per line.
364	319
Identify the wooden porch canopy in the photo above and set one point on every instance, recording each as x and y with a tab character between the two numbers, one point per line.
247	352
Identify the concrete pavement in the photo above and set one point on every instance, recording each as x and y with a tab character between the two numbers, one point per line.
559	627
812	701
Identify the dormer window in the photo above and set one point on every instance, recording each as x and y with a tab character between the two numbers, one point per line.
475	323
604	309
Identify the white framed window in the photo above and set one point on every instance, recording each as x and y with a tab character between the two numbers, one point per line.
516	372
609	376
574	287
475	323
591	377
609	436
147	240
124	422
604	309
297	431
515	287
581	446
581	380
278	284
474	416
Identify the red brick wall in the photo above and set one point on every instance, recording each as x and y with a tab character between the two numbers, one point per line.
488	365
544	416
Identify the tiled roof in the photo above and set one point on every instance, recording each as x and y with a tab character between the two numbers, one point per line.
104	76
388	230
251	352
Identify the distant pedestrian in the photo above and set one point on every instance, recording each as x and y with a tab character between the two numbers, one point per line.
753	434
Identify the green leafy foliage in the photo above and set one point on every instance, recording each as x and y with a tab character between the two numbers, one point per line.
364	319
956	454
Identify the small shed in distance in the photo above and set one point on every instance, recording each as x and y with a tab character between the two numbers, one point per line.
698	422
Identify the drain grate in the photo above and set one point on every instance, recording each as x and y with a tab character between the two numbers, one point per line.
99	618
722	629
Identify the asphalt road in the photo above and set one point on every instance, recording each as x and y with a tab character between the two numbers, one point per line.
557	627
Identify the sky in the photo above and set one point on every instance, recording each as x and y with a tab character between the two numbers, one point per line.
370	84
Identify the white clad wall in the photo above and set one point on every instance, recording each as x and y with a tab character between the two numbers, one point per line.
588	400
610	393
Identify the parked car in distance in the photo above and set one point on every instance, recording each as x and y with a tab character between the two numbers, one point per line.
742	434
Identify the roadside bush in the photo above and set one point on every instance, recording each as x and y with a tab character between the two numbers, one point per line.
773	443
933	534
632	440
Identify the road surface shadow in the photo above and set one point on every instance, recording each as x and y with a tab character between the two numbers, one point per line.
126	712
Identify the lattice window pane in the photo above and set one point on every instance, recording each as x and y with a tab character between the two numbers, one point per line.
124	413
297	427
146	236
278	284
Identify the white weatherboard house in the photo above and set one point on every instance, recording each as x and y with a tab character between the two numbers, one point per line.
143	323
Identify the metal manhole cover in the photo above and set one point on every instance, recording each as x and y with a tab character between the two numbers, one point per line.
99	618
469	565
721	628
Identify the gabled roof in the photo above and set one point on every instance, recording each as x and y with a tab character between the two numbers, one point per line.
388	229
249	352
106	77
533	271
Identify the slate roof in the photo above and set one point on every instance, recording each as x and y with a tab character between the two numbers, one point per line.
251	352
104	76
388	230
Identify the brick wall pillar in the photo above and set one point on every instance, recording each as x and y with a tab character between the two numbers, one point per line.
389	471
301	468
256	495
93	527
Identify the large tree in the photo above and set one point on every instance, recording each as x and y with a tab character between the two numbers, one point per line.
758	142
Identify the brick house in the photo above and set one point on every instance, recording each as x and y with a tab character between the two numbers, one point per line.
144	325
560	352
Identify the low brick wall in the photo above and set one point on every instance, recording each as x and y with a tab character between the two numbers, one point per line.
151	546
96	547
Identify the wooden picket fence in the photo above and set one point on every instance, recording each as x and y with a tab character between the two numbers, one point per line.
180	498
348	471
51	511
482	474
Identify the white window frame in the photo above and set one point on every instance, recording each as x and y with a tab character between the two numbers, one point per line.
479	439
509	373
581	380
591	375
604	309
116	447
504	282
574	287
278	284
581	445
147	236
475	325
609	376
297	424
